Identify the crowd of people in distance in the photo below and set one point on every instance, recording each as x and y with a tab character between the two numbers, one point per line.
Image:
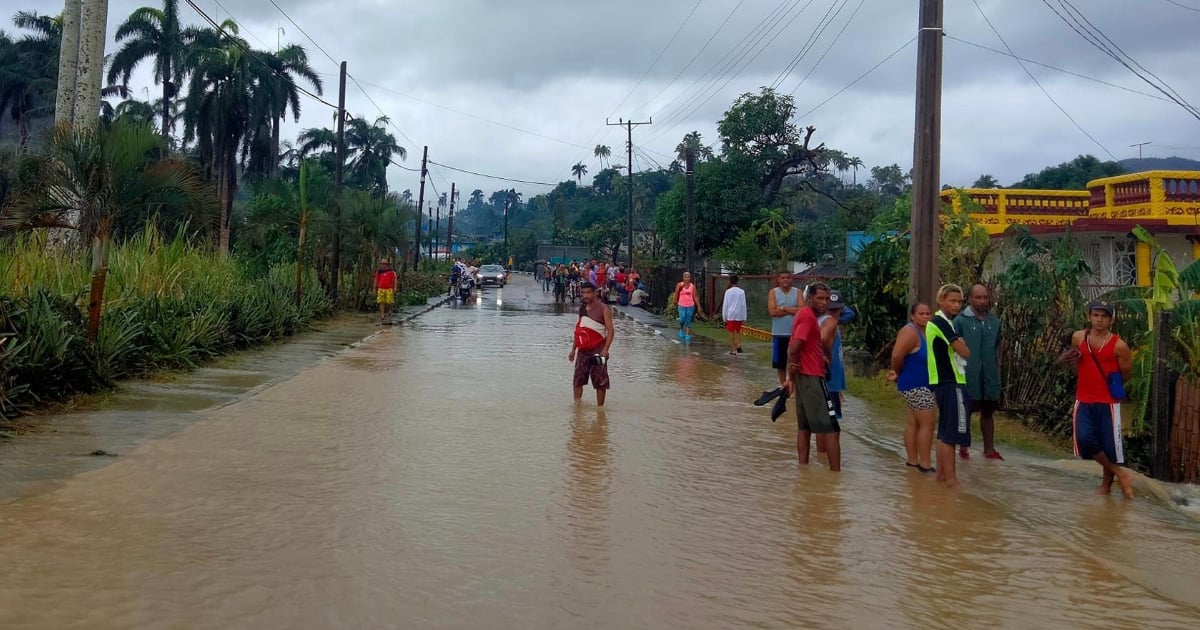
614	284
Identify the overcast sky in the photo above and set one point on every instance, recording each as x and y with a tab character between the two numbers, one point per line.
555	69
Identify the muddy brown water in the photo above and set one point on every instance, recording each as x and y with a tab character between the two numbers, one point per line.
438	475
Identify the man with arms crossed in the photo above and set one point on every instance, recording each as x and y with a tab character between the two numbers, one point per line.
1098	354
806	362
783	302
980	330
593	338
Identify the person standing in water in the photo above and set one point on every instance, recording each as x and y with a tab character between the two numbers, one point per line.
806	381
686	303
1103	362
981	331
836	314
385	289
783	302
910	373
947	354
593	338
733	311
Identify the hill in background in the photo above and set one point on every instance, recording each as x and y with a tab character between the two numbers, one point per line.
1137	165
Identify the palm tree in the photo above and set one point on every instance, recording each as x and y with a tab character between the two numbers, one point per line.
855	163
603	152
29	71
155	33
370	148
476	199
103	174
579	170
277	95
692	141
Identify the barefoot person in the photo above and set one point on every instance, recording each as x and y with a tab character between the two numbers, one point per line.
947	353
1103	362
806	381
910	372
783	302
981	331
385	289
593	338
733	311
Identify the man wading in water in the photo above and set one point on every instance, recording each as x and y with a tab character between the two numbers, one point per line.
806	359
593	337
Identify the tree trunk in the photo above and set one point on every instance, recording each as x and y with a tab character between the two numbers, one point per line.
227	193
274	147
99	275
166	106
93	31
68	61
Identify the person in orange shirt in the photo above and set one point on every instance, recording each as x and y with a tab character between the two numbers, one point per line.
385	289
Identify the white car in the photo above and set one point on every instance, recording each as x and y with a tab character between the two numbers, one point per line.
491	274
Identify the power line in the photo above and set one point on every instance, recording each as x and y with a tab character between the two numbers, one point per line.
384	114
242	26
829	47
1039	83
1057	69
659	57
303	32
507	179
694	57
1183	6
859	78
812	40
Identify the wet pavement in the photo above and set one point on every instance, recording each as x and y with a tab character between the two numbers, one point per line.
438	475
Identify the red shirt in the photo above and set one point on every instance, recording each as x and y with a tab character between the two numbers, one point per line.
1092	386
806	335
620	277
385	279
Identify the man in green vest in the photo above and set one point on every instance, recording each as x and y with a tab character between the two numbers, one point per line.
945	360
980	328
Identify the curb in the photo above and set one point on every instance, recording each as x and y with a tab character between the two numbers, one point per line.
428	307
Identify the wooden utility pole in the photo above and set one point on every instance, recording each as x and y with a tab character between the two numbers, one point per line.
507	204
1160	398
429	242
629	125
926	202
341	164
437	232
450	225
420	207
689	174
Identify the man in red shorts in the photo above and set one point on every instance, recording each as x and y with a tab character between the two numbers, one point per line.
733	312
593	338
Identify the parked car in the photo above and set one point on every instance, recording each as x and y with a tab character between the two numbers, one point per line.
491	274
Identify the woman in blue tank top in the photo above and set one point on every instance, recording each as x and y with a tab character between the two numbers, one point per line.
911	375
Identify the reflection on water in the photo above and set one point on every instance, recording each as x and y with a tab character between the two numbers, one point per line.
439	476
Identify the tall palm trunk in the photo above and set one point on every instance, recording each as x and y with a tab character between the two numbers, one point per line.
227	193
93	32
303	232
168	92
68	60
274	146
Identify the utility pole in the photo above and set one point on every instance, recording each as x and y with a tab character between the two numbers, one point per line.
689	174
429	242
341	163
420	207
437	231
507	203
926	202
1139	147
450	225
629	125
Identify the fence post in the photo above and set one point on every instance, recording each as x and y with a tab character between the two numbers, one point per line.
1160	397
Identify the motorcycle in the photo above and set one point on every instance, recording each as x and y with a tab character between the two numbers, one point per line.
464	288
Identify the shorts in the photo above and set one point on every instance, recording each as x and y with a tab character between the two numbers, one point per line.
919	398
1097	428
685	316
814	410
385	296
733	326
835	399
954	423
586	369
779	350
985	406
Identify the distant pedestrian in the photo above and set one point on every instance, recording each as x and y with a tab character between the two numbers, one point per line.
385	289
1103	362
910	372
783	302
981	330
733	311
947	354
806	381
589	350
687	305
547	277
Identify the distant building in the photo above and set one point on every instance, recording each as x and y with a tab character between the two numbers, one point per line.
1101	219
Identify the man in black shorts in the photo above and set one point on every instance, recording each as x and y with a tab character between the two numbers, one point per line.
783	302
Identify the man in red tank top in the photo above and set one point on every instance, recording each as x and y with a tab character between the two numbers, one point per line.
1097	353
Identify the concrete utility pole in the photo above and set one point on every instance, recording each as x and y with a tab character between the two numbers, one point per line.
926	202
1139	147
429	243
420	207
337	203
450	225
689	173
629	125
507	204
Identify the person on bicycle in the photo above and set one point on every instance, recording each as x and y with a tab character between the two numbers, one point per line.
560	283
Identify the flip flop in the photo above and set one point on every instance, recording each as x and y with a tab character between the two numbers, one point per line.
768	396
926	470
779	408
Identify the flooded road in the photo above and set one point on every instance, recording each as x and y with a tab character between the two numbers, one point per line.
438	475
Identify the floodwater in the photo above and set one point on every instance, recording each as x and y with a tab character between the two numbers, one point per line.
439	476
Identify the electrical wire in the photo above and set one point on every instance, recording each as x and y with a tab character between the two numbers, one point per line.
813	38
305	33
1039	83
1183	6
478	174
242	27
658	58
694	57
1057	69
859	78
829	47
382	113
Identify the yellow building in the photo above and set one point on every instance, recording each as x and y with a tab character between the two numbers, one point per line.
1166	203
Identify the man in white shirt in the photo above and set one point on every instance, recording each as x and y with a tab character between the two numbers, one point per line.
733	311
638	297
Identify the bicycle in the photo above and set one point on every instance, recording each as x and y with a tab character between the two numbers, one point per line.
573	291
